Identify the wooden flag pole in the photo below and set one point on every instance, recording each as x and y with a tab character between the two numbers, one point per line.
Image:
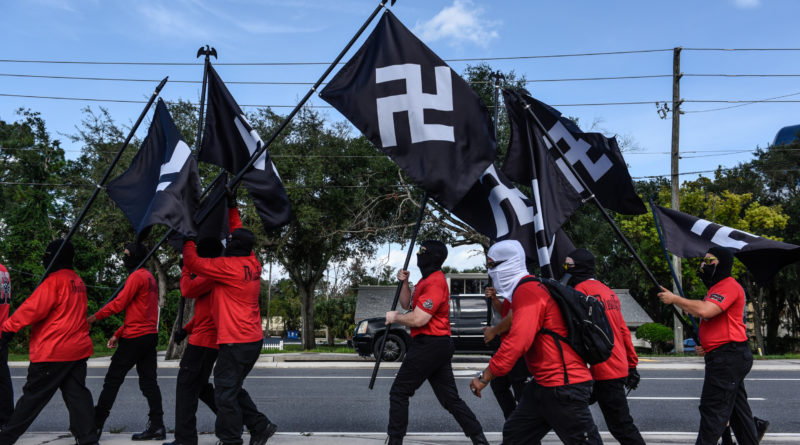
399	287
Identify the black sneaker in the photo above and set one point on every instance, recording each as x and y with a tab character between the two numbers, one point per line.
261	437
761	427
151	433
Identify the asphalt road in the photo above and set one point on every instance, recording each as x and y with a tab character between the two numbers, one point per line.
338	400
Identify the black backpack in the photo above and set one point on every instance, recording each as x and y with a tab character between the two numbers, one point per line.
588	330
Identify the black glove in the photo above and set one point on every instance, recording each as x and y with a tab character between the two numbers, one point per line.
181	335
5	338
632	382
230	194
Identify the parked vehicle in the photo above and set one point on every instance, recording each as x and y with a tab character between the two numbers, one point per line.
786	135
470	312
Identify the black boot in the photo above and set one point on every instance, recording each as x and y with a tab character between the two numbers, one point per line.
392	440
479	439
261	437
153	432
761	427
99	421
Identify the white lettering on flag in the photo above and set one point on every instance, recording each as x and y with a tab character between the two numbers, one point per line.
722	236
500	193
414	101
578	152
174	165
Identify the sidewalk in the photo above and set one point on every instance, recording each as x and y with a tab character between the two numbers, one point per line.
462	362
379	438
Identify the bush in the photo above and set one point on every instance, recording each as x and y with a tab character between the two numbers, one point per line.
657	334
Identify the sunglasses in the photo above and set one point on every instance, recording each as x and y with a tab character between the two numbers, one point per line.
568	265
493	264
709	259
422	250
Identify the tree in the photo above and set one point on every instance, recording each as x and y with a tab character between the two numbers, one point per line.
657	334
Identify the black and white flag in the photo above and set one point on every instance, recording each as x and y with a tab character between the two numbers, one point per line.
688	236
529	162
214	222
497	209
161	186
412	106
597	159
229	141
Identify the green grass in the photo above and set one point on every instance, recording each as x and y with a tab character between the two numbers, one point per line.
319	348
99	351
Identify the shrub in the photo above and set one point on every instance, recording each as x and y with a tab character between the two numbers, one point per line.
657	334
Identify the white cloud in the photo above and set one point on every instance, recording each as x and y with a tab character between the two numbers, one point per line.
461	22
748	4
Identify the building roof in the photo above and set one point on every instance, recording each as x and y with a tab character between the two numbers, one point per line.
632	312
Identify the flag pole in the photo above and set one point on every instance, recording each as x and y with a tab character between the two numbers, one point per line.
102	182
399	287
592	196
694	331
232	184
207	52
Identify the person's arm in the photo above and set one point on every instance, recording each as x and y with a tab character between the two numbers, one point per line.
490	332
234	220
211	268
698	308
123	299
414	319
189	326
491	294
194	287
405	289
34	308
630	352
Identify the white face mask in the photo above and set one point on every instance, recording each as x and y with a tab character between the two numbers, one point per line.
511	268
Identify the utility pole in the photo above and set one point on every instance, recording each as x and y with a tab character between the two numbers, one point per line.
674	177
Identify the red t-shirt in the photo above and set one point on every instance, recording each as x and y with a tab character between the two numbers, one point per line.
5	293
139	300
623	356
237	285
729	325
432	296
57	312
534	309
201	328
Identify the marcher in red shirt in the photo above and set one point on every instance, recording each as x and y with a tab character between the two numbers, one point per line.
428	357
723	339
612	375
237	316
6	388
558	396
59	347
137	339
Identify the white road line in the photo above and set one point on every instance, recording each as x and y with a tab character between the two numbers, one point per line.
759	399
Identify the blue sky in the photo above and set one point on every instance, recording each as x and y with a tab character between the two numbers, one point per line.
315	31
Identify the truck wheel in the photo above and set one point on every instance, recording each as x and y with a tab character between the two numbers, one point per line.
394	351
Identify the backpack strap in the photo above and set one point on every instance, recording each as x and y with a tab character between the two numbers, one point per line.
556	337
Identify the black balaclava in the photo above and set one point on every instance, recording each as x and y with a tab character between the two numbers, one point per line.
240	243
432	258
713	274
64	260
584	266
136	255
209	247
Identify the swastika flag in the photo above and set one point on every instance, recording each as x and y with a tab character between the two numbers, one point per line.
162	185
597	159
688	236
417	110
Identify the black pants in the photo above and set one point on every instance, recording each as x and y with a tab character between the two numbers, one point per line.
724	396
564	409
515	380
196	365
234	405
6	388
428	358
139	352
610	396
44	379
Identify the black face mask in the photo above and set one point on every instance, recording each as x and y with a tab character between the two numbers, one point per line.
707	274
64	260
583	268
431	257
134	257
240	243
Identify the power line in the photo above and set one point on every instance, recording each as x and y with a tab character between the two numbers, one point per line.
740	49
767	100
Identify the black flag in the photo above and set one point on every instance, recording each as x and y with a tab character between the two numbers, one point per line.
688	236
596	158
528	162
161	186
419	112
497	209
215	224
229	141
